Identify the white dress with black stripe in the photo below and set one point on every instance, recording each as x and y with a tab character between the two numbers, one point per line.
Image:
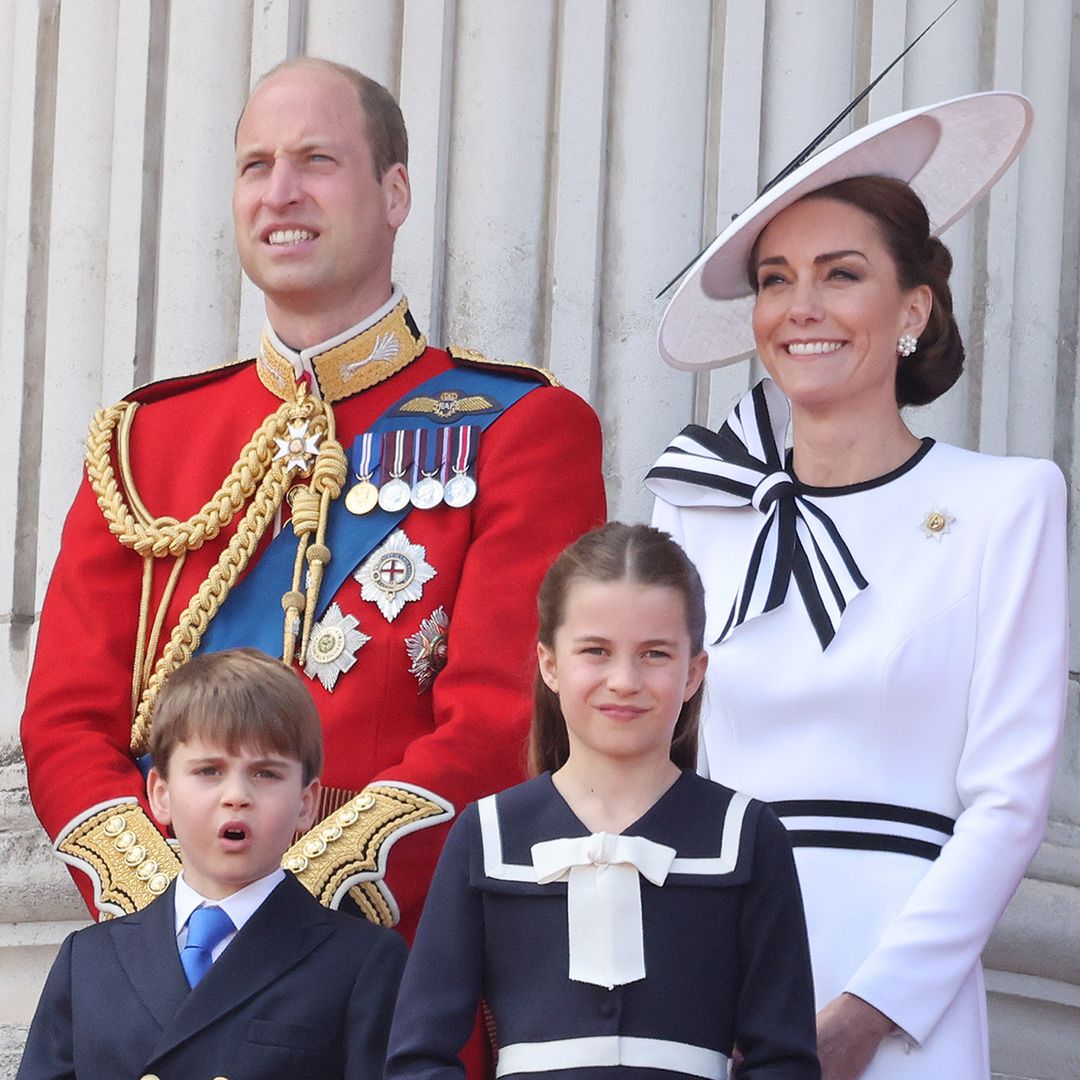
912	759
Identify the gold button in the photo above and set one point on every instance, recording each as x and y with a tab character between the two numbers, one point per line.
115	825
150	1076
348	816
331	833
935	522
135	855
125	840
296	863
158	884
314	847
146	870
364	802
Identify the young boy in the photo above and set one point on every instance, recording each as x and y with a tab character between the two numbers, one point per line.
283	987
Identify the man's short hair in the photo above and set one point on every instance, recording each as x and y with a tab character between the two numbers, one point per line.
383	122
238	699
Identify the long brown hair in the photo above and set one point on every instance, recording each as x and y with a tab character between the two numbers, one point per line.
615	552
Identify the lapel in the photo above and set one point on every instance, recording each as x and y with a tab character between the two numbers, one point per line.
282	932
145	944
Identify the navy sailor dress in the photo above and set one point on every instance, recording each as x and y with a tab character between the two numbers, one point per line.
649	954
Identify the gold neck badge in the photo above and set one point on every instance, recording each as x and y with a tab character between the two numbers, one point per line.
373	355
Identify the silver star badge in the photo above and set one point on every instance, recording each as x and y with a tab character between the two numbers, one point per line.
299	449
395	574
333	646
427	648
936	524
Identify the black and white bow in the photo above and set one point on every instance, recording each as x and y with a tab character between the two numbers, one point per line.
740	465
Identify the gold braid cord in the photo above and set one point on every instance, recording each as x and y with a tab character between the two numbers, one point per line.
119	845
345	851
259	480
165	535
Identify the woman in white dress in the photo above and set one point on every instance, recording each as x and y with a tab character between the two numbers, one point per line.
887	613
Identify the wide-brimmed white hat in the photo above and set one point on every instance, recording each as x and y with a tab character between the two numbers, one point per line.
950	153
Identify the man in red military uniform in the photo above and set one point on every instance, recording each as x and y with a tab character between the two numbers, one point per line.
375	511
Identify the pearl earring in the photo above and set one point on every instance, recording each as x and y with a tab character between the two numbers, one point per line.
907	344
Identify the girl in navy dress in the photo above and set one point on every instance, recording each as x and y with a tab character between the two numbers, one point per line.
620	915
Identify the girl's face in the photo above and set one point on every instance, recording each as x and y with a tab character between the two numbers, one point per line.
621	667
829	309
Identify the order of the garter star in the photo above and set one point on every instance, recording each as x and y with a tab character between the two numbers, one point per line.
395	574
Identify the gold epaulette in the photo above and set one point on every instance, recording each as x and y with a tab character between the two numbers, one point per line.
346	852
127	858
471	358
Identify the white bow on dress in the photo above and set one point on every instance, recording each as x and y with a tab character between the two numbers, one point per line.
603	899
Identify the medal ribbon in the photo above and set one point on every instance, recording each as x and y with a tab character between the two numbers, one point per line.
741	465
468	438
396	462
364	456
251	613
427	451
446	456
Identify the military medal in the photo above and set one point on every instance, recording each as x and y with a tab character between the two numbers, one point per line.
427	491
461	487
395	493
299	449
335	641
395	574
363	496
427	648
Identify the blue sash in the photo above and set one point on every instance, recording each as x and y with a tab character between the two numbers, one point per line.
252	614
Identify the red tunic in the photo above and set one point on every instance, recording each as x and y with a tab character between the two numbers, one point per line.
540	486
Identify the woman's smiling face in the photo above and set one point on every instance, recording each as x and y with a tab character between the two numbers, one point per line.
829	308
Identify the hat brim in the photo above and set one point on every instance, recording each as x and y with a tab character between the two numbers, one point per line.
950	153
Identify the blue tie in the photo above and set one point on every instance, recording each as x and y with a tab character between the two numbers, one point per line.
206	928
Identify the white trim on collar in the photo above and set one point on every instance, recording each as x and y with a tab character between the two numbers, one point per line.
724	863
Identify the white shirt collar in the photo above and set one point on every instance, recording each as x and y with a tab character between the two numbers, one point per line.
302	360
240	906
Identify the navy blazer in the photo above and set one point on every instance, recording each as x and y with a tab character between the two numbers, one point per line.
299	992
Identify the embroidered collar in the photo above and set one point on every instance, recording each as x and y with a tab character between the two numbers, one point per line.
365	354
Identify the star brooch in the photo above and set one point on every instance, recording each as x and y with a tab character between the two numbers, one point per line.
332	648
427	648
936	524
395	574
